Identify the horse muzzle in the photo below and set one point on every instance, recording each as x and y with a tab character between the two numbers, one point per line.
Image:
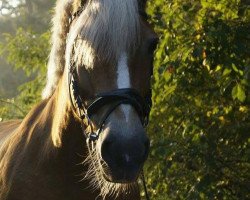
123	157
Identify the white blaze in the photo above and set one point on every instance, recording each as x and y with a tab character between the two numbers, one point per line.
123	80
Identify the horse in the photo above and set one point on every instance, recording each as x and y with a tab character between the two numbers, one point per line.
86	139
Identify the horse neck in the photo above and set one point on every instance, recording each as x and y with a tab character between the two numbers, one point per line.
51	130
63	118
68	141
65	128
49	143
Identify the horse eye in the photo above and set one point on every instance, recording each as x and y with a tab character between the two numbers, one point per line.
152	45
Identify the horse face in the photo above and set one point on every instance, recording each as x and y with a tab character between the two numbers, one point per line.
123	145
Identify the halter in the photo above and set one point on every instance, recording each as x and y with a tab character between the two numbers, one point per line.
112	99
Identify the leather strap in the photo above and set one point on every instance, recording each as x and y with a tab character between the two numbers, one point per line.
113	99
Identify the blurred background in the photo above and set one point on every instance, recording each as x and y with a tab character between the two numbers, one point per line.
200	122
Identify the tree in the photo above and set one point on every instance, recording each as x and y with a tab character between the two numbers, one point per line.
24	47
27	51
200	121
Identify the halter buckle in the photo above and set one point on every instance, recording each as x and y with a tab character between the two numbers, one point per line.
93	137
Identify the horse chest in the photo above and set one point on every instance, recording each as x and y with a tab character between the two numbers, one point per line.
31	190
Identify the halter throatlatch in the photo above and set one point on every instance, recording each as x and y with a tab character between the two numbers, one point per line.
112	100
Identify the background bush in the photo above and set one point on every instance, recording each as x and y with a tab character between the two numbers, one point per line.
200	122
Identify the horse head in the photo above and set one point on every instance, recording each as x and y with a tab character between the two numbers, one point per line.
108	60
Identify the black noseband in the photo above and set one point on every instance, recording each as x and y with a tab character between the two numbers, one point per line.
113	99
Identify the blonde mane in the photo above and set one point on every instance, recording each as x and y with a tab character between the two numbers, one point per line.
104	30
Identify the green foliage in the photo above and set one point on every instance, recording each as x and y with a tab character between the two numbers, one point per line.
29	15
27	51
200	122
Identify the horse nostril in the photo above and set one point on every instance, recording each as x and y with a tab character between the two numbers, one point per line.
106	150
122	153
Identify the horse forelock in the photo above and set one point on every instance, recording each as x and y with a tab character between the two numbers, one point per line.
104	30
108	28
